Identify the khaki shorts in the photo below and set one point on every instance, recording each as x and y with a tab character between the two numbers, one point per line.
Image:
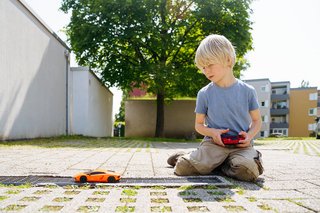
240	163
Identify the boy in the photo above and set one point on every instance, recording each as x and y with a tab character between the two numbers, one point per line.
226	105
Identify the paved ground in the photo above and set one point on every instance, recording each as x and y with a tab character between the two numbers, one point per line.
291	182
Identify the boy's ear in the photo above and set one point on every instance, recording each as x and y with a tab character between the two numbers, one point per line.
229	62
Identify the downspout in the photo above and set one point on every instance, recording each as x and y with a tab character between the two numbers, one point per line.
67	55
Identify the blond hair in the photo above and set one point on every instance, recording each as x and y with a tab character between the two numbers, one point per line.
215	49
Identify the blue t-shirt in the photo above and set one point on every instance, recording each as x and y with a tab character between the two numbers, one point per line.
227	108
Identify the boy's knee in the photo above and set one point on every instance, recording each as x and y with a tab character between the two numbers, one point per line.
242	168
184	168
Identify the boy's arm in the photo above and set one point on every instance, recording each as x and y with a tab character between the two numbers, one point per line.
206	131
254	129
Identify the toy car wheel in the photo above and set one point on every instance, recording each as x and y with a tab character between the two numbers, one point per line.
83	179
111	179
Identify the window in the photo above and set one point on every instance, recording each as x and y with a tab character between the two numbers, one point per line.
312	127
313	111
265	88
264	103
313	96
284	132
262	133
264	118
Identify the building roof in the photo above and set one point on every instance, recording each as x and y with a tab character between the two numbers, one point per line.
87	69
30	10
259	79
280	82
304	88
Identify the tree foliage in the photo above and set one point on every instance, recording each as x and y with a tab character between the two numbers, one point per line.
153	42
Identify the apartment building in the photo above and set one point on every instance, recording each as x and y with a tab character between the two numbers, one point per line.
286	111
318	104
279	110
263	89
303	111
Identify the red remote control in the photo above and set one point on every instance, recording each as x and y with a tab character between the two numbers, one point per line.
231	140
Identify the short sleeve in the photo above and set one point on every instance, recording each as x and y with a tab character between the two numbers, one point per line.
202	103
253	100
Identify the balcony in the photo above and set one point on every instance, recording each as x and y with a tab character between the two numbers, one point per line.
283	125
279	97
283	111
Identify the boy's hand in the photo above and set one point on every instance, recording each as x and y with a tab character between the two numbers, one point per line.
216	136
246	142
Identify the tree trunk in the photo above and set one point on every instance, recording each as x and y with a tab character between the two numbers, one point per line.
160	115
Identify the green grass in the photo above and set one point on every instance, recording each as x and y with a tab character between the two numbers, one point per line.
227	199
14	207
22	186
235	208
240	190
95	199
161	209
158	193
198	209
188	187
3	198
88	209
129	192
159	200
192	200
187	193
101	193
87	142
285	138
30	199
265	207
41	192
209	187
71	192
125	209
252	199
62	199
128	200
13	191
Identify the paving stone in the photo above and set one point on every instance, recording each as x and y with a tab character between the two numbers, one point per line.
312	204
298	184
278	194
286	206
314	192
289	183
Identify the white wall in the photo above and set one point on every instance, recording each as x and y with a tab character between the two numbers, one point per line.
33	76
91	106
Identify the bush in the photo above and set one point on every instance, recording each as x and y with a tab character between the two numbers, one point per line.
118	129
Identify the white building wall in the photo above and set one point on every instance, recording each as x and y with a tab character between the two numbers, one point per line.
80	101
263	89
92	105
33	76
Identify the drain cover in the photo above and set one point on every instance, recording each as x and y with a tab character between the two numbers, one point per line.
148	181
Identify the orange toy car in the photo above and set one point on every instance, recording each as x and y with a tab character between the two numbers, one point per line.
99	175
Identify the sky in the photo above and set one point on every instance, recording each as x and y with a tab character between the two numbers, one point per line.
286	40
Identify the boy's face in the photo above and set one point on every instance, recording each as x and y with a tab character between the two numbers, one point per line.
216	72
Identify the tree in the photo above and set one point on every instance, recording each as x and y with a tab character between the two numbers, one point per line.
153	42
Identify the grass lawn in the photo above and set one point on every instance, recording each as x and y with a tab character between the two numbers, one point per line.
115	142
88	142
